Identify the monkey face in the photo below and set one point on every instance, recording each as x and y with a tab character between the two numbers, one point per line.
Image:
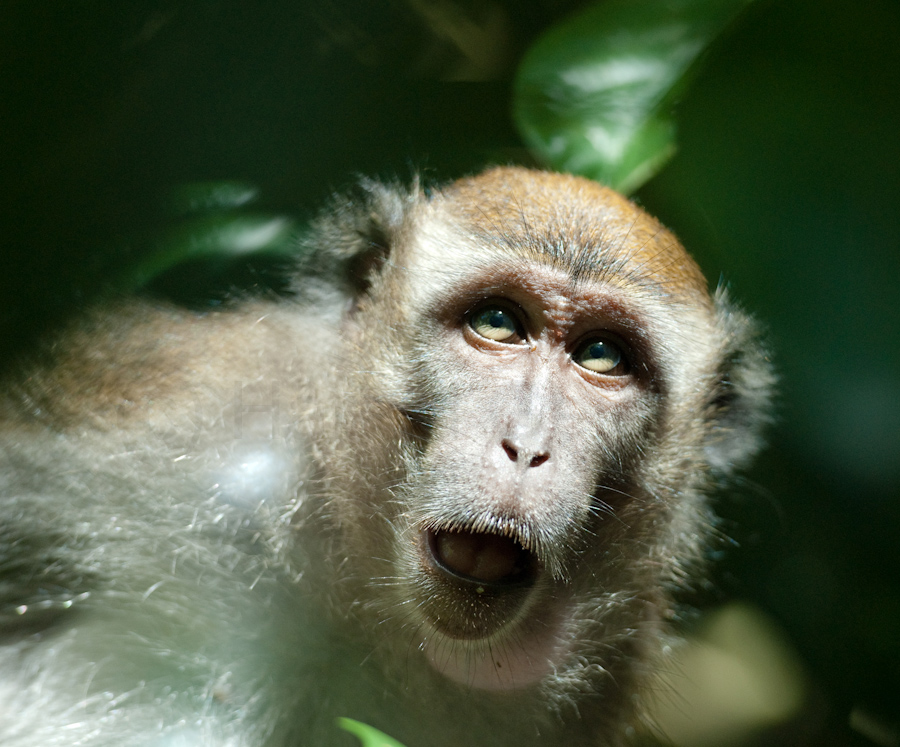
516	472
545	354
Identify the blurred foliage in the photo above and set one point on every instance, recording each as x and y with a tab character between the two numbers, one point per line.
731	680
216	236
201	256
785	184
594	96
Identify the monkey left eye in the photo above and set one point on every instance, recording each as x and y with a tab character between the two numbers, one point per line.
496	323
601	356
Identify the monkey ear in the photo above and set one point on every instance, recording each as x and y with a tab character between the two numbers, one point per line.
352	238
741	406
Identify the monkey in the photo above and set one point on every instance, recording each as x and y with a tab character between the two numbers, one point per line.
449	486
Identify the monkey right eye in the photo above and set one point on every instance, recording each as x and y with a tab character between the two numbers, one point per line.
496	323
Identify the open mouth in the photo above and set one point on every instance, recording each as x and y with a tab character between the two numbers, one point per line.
491	627
482	559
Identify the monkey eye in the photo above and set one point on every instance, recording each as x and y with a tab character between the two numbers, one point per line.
601	356
496	323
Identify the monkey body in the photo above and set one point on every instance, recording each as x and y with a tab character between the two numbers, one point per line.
447	490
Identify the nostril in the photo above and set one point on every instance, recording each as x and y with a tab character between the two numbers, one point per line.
538	460
513	453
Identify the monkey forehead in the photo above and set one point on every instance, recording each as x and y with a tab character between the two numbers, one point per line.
584	228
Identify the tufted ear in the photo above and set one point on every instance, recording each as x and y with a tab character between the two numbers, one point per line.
351	239
742	403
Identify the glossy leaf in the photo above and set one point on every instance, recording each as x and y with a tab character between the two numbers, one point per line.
217	236
204	197
368	735
594	95
212	222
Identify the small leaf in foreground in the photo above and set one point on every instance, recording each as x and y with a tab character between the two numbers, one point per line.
368	735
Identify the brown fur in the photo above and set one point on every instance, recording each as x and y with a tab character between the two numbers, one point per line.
232	528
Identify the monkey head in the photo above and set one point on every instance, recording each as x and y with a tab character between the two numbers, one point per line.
552	391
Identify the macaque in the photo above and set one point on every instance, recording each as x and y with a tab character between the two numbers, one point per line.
449	486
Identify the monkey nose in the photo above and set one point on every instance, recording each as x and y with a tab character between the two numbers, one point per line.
529	457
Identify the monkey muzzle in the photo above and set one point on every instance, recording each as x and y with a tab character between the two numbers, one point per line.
476	583
480	591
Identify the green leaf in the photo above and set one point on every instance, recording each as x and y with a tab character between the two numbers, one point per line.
210	221
594	95
222	236
205	197
369	736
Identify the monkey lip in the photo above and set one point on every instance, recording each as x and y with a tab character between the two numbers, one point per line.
481	558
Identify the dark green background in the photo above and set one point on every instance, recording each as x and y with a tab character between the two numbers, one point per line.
786	186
